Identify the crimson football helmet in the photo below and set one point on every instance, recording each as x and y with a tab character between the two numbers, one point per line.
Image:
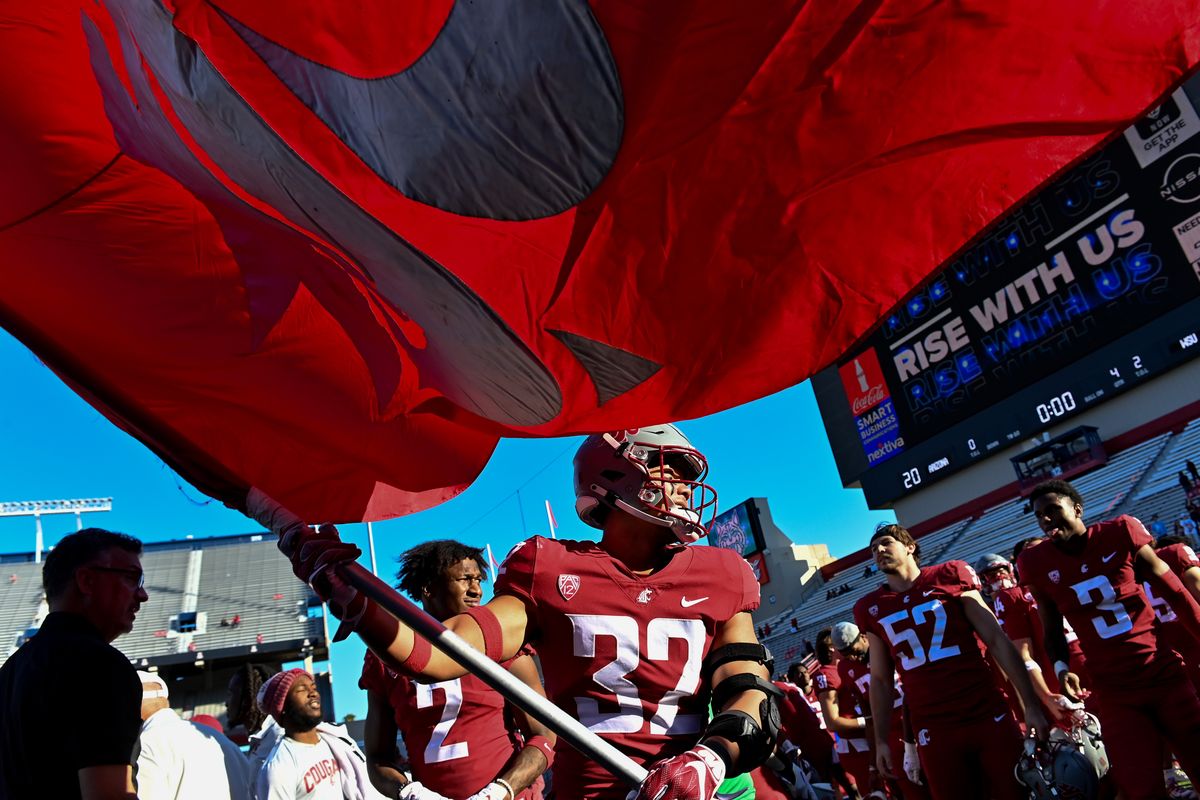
613	471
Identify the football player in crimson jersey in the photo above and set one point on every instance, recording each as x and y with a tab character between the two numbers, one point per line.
803	732
633	631
928	624
461	738
1089	574
1181	558
855	672
841	714
1016	612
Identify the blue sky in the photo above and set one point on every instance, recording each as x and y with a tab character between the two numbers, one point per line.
56	446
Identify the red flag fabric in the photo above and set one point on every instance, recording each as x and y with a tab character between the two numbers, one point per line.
335	250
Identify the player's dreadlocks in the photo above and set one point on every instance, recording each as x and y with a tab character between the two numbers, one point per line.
242	707
425	563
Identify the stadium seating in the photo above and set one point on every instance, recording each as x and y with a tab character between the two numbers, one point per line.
243	576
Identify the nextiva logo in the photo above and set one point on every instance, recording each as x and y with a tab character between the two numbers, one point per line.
863	381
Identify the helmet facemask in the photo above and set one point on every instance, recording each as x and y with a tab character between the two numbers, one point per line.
663	470
998	579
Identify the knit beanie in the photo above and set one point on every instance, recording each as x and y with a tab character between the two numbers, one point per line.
273	694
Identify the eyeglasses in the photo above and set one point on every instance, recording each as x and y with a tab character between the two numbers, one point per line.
135	575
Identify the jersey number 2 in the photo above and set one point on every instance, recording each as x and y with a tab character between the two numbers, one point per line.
435	751
612	676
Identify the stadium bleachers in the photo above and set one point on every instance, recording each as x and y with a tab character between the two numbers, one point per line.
1140	480
20	597
1161	493
241	576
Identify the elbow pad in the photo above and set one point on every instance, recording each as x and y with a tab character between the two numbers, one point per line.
756	742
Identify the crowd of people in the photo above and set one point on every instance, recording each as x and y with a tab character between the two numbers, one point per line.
1070	670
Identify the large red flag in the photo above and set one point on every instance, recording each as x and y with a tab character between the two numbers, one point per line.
336	249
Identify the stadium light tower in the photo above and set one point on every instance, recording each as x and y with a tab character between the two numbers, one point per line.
36	508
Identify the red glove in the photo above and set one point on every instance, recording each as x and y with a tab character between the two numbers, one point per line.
311	552
694	775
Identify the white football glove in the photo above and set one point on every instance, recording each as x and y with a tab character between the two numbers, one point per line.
912	763
413	790
493	791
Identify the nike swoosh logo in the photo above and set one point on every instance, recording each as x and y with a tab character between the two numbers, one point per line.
1109	557
474	367
997	719
689	603
444	130
926	594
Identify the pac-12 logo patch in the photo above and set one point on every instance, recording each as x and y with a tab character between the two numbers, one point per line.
1054	576
568	586
874	611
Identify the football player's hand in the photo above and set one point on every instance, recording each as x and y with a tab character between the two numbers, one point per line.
1072	686
413	790
694	775
311	552
493	791
883	760
1036	723
912	763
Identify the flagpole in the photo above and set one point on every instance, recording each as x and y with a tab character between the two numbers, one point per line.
371	547
491	560
550	520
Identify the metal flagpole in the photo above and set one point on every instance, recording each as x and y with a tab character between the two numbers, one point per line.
371	547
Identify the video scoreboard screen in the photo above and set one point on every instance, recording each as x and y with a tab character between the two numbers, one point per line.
1085	291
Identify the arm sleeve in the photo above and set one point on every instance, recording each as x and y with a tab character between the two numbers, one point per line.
375	676
751	591
515	576
1013	612
1138	535
276	781
961	577
118	712
151	770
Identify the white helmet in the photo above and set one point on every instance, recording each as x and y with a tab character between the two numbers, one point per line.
612	471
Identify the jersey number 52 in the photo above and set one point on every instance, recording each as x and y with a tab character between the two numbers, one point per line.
901	635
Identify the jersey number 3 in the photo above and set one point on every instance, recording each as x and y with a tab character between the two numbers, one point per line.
587	628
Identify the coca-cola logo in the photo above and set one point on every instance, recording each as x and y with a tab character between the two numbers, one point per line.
874	396
863	381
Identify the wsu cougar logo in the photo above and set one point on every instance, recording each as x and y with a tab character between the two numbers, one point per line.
568	586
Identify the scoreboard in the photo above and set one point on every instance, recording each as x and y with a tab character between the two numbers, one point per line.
1088	289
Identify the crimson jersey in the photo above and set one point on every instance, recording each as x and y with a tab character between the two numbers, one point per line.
1180	558
856	681
933	644
1097	592
456	732
1017	612
802	722
622	652
826	679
